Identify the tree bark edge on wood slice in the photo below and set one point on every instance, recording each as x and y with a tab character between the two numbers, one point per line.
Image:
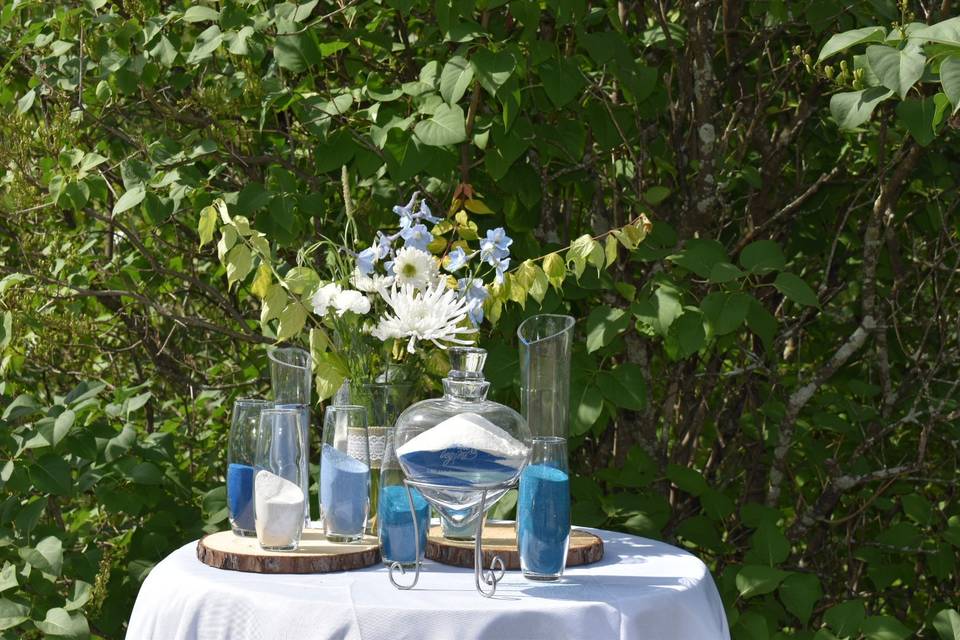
499	539
225	550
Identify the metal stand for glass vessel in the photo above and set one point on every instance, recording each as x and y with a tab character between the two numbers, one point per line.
485	580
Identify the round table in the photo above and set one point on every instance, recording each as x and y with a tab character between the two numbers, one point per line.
642	589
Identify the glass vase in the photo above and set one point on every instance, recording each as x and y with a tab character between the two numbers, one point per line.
241	458
278	485
291	376
345	473
543	510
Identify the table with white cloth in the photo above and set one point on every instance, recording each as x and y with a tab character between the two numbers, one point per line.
642	589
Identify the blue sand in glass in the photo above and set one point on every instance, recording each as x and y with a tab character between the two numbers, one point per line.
457	467
344	491
396	525
543	515
240	495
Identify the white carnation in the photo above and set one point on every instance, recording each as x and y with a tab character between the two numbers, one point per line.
371	283
350	300
323	298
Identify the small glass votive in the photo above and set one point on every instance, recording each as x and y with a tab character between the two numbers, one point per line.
345	473
278	490
543	510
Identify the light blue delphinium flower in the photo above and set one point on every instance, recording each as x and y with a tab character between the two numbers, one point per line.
406	213
426	214
475	293
457	260
417	236
500	265
384	244
366	260
495	246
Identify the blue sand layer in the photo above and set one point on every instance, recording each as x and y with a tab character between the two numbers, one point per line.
240	496
543	519
344	492
396	524
457	467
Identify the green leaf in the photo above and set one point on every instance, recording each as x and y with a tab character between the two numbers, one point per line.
81	595
656	195
131	198
800	593
725	312
207	42
60	623
585	410
897	69
200	13
769	545
845	619
700	256
239	263
12	614
207	224
919	116
273	303
26	101
51	474
762	256
62	426
302	280
884	628
8	576
724	272
947	624
492	69
446	126
603	325
47	556
794	288
455	78
943	32
624	387
687	479
329	378
555	268
847	39
561	80
292	319
689	334
950	80
762	323
851	109
756	580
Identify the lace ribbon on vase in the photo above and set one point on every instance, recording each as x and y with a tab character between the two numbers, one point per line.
376	439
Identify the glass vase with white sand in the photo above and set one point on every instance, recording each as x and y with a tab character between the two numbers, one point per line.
278	494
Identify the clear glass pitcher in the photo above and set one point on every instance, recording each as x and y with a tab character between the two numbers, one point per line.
291	376
545	343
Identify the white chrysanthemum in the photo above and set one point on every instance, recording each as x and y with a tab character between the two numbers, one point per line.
350	300
323	298
415	267
371	283
433	314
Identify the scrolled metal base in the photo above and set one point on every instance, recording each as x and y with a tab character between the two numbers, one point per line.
485	580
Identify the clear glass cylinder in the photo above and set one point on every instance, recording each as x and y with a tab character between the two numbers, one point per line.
241	459
395	526
383	401
345	473
543	510
278	492
545	344
291	377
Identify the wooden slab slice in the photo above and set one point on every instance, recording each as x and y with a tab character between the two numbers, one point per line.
225	550
500	539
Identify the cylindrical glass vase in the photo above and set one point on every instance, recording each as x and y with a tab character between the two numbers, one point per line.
395	525
278	488
345	473
543	510
291	377
241	454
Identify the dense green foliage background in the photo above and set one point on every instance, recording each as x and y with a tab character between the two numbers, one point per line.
769	380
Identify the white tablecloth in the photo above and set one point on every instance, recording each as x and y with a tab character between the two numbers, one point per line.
642	589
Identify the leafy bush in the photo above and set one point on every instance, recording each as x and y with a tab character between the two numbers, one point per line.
769	380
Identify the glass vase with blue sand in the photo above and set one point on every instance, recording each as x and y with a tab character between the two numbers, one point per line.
345	473
397	528
543	510
241	450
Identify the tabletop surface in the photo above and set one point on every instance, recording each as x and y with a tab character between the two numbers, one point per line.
641	589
